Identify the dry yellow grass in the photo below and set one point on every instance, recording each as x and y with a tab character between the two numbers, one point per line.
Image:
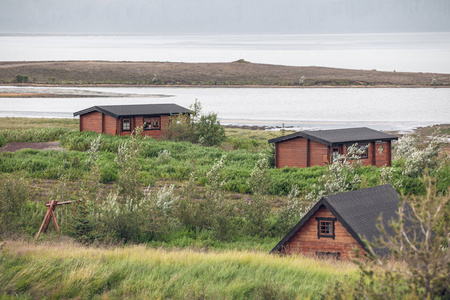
65	269
36	123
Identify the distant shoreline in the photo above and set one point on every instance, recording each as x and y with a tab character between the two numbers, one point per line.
234	75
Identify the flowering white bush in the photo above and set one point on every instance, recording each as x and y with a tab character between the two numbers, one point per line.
387	175
215	179
127	161
111	206
406	145
295	210
341	175
93	150
166	199
257	182
417	160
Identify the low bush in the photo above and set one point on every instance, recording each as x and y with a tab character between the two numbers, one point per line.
18	213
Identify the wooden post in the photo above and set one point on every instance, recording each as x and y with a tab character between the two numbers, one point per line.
47	218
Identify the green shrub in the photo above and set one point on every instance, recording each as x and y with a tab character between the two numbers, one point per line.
14	194
2	141
108	174
208	130
21	79
413	186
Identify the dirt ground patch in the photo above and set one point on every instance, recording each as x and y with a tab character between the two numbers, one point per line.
13	147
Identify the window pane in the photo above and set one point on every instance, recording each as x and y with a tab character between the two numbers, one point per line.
126	124
151	123
325	227
147	123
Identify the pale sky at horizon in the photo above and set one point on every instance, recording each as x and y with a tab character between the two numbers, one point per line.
224	17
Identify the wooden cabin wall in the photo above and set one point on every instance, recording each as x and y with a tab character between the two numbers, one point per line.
384	158
103	123
291	153
306	242
91	122
317	151
109	125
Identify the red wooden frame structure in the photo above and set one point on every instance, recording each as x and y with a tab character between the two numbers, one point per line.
50	216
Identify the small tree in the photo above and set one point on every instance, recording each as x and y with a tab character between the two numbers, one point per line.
219	211
84	224
84	227
156	211
127	161
192	211
257	209
196	128
208	130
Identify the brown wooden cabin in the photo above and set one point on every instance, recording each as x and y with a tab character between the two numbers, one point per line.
335	226
123	119
316	148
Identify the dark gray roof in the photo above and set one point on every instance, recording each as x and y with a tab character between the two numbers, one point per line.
358	211
338	136
136	110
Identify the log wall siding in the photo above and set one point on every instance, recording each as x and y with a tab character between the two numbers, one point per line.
384	158
303	153
291	153
306	242
103	123
91	122
109	125
316	153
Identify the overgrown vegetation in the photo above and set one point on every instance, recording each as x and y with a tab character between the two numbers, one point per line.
179	194
196	128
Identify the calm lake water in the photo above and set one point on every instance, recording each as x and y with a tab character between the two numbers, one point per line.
408	52
301	108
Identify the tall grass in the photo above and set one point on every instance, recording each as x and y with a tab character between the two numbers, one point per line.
66	270
36	123
33	135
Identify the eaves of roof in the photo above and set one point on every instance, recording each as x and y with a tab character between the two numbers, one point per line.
95	108
301	134
297	135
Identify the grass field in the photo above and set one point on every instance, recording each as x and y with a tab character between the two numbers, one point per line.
66	270
36	123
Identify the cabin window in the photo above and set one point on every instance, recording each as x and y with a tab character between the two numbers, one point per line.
325	227
363	147
335	153
333	255
153	123
126	125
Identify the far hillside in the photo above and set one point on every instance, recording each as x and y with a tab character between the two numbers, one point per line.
238	73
